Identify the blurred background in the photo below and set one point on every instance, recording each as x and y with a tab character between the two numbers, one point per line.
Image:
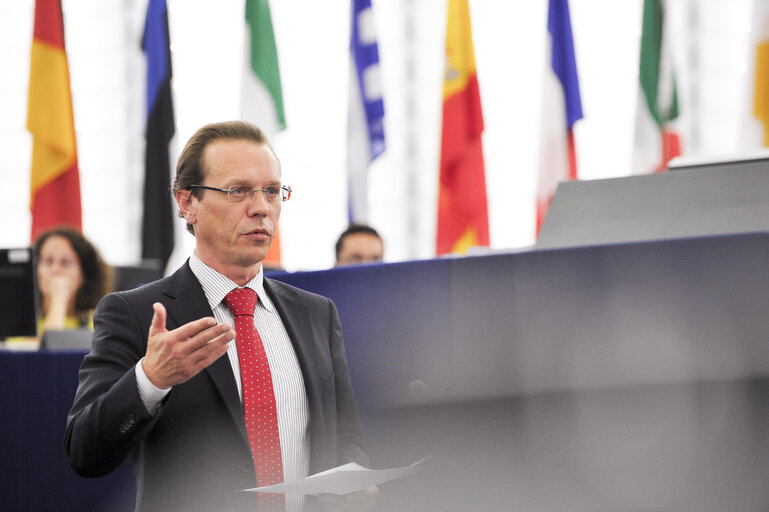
713	46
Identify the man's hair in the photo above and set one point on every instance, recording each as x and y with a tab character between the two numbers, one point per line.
189	167
97	275
354	229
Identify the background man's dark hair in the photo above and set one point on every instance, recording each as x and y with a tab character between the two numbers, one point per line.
353	229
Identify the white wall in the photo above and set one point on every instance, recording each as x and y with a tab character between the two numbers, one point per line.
713	49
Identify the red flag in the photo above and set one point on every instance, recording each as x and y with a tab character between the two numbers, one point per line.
463	219
55	182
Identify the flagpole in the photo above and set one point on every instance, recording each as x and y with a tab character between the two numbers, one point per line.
412	199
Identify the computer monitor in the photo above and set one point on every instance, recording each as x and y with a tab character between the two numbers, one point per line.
131	276
18	296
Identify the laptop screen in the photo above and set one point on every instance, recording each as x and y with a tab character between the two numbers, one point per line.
18	298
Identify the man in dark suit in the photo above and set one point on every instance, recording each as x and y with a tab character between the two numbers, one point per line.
157	387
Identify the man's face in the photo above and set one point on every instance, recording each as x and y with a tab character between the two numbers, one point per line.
360	248
233	238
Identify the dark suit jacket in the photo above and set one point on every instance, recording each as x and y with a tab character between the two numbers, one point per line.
193	454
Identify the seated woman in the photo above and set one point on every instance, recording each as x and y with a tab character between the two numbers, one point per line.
71	278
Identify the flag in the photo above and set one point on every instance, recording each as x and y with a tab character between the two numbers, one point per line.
261	92
561	108
365	127
656	139
158	219
462	211
54	178
761	90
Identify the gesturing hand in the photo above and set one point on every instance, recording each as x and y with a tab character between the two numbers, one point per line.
176	356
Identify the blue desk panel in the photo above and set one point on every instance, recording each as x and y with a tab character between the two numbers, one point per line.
620	377
36	390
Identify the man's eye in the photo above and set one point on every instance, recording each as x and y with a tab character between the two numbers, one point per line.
238	191
271	191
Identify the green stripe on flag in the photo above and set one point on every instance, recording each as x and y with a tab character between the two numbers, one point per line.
264	55
650	71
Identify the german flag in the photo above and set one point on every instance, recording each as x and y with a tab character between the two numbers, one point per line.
463	219
55	182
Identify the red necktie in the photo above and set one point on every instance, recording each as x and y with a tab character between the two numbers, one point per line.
258	397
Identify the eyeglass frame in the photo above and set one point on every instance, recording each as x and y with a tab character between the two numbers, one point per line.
285	192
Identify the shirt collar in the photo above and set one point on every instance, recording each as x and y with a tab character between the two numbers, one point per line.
216	286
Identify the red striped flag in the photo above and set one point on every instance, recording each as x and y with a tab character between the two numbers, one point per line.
55	181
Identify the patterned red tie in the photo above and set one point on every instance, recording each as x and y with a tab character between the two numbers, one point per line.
258	398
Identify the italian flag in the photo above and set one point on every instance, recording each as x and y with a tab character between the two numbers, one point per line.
55	181
261	94
656	139
463	219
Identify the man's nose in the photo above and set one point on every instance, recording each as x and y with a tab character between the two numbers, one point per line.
258	203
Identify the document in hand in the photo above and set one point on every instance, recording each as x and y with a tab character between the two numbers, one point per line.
341	480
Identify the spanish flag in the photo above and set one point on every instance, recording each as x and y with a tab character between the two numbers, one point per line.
463	219
55	182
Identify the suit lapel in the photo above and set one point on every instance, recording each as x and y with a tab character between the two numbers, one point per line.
187	302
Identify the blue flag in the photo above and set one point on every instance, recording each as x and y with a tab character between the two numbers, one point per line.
366	138
157	221
563	60
561	108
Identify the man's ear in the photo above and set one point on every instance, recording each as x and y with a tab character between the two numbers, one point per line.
187	205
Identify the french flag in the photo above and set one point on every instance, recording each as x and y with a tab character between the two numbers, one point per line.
561	108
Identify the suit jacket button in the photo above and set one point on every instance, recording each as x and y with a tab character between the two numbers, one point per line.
246	468
127	423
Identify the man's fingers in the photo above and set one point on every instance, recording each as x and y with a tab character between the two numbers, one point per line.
175	356
195	327
212	351
158	319
204	343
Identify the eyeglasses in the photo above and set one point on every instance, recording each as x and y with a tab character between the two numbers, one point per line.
273	194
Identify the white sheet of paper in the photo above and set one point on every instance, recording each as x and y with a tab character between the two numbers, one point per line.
341	480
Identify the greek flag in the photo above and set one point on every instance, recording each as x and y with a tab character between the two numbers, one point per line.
365	128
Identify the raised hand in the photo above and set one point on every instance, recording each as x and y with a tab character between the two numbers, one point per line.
176	356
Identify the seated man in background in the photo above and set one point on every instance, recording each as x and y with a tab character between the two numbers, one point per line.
359	244
217	379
